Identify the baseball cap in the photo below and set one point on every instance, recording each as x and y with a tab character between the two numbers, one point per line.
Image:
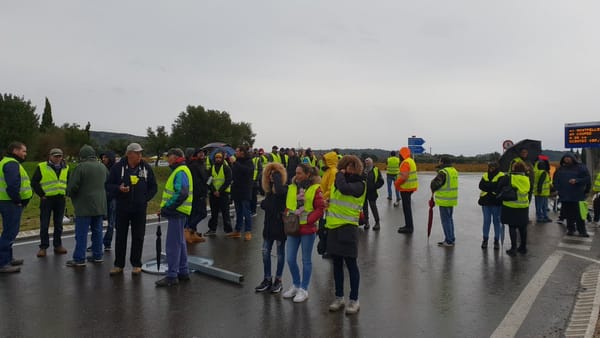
134	147
175	151
56	152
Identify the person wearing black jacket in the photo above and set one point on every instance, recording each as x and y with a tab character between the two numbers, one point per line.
490	205
374	182
293	161
219	187
241	192
274	182
133	184
197	165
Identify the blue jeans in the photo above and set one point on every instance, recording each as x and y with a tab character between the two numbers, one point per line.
112	220
82	225
266	252
242	215
293	244
491	213
11	219
176	248
447	223
390	185
541	208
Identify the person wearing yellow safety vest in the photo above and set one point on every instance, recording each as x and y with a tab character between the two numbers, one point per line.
572	180
541	189
49	182
393	168
515	211
305	199
15	194
444	186
256	178
374	181
407	183
309	158
596	201
275	157
344	206
176	207
219	186
491	206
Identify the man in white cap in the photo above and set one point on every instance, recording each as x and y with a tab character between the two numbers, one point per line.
49	181
133	184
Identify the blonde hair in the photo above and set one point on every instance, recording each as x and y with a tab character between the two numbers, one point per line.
266	176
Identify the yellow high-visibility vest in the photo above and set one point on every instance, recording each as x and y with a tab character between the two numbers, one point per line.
413	180
494	179
537	173
51	184
393	165
309	196
219	178
447	195
344	209
25	191
521	183
186	206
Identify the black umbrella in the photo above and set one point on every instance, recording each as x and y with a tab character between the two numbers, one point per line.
533	147
158	244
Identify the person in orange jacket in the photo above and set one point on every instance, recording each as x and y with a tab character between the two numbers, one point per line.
407	183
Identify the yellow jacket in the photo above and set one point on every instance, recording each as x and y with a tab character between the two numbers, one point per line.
328	179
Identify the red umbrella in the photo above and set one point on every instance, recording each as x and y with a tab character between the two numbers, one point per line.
430	218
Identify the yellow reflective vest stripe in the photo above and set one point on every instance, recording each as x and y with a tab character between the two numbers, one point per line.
255	163
596	187
186	206
51	184
291	202
487	179
276	158
522	185
537	174
447	195
393	165
25	191
219	178
413	180
344	209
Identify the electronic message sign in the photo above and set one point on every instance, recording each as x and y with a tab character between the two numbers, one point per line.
582	135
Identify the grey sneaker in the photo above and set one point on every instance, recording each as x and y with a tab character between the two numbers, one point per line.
10	269
353	307
337	304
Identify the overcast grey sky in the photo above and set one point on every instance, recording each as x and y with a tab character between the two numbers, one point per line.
463	75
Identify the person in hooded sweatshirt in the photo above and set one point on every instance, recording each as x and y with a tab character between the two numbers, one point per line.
571	180
242	171
330	160
133	184
87	192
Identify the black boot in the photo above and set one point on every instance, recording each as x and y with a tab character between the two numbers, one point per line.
405	230
376	226
484	244
523	234
512	231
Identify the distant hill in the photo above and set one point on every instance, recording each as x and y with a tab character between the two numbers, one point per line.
103	137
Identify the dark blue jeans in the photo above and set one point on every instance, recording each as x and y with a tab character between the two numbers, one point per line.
11	219
266	251
82	225
111	220
338	276
390	185
447	223
242	215
53	206
491	214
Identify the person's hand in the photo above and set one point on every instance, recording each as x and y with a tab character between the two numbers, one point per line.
123	188
326	203
216	193
572	181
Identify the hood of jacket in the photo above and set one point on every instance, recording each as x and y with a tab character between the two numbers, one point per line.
111	158
331	159
568	154
405	152
86	153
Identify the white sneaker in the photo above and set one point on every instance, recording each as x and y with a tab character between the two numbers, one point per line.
291	292
353	307
337	304
301	295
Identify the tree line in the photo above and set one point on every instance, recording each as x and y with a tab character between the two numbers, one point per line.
194	127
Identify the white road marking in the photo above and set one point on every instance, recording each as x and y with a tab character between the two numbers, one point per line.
519	310
575	246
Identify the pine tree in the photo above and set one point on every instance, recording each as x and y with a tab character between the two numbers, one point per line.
47	121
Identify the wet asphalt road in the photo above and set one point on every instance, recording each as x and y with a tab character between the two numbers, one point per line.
409	287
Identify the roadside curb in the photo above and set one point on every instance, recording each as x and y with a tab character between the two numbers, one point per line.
584	317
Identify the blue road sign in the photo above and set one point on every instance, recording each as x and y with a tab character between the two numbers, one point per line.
415	141
416	149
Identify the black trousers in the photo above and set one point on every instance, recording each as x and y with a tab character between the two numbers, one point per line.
198	213
219	205
407	208
254	201
596	204
136	219
512	232
53	206
373	204
574	220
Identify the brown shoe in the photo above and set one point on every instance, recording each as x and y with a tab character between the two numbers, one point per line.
197	238
234	234
60	250
188	236
41	253
247	236
116	271
136	271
